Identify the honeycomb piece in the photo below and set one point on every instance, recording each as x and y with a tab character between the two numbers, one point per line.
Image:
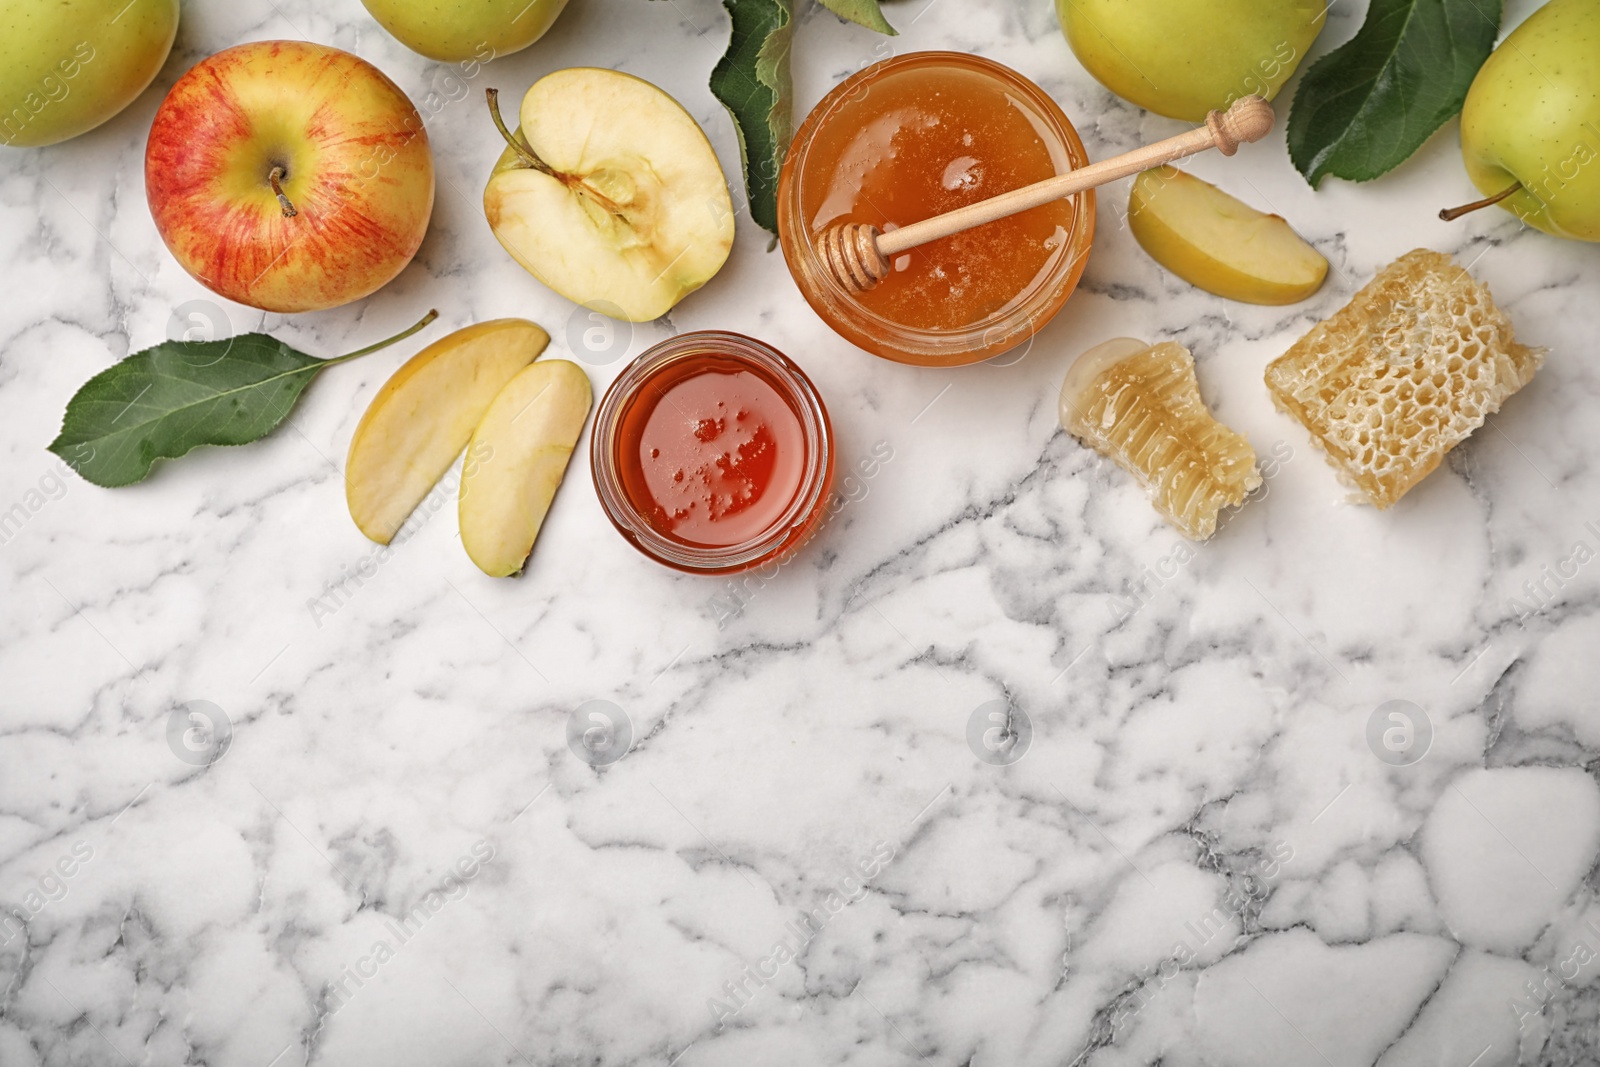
1140	405
1402	374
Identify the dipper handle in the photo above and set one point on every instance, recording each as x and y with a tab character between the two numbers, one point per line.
859	254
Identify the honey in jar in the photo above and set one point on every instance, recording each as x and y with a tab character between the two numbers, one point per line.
914	137
712	453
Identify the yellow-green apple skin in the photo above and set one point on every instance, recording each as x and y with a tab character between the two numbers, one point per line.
425	414
1220	244
1183	58
459	30
66	66
1533	116
518	457
352	158
635	214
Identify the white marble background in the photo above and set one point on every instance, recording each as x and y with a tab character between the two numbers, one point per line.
1198	860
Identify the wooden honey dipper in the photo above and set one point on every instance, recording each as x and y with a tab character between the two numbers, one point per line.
859	254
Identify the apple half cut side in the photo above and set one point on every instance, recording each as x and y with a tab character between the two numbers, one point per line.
1219	243
518	457
610	194
425	414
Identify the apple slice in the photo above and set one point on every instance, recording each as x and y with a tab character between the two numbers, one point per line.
521	450
1224	246
424	415
611	196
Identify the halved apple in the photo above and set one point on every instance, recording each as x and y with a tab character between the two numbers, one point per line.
519	455
610	194
425	414
1221	244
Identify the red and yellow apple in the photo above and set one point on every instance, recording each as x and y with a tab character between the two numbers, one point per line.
289	176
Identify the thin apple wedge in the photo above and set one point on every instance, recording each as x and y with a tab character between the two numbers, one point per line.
523	444
610	194
1220	244
425	414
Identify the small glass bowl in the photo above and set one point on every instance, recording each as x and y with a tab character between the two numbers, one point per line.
1012	325
664	365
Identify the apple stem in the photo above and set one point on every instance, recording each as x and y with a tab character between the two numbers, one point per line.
274	178
517	144
401	336
1450	214
529	156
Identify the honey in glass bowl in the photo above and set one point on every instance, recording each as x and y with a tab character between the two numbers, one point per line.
913	137
713	454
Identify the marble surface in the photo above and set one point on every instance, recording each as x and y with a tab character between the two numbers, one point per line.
795	846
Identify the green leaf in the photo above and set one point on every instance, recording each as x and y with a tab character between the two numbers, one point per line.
1362	109
862	13
166	400
752	81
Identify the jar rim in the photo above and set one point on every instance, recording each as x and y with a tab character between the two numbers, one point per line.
797	391
1018	317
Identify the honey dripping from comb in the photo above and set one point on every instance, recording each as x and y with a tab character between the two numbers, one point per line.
1140	405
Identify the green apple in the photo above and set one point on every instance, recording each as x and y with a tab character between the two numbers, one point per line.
457	30
66	66
610	193
1183	58
1221	244
1531	123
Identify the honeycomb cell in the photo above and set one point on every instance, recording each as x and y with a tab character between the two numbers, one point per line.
1424	323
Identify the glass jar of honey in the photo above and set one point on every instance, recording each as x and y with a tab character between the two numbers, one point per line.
915	136
712	453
